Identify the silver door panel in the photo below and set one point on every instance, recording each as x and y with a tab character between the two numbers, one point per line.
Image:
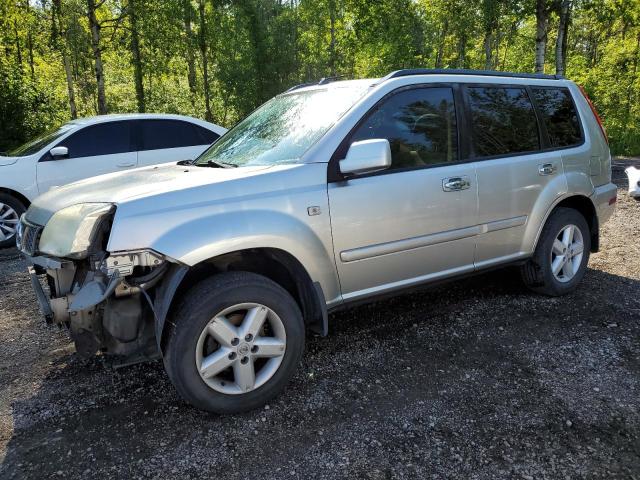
509	189
397	227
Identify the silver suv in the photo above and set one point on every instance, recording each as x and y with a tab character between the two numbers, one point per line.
326	195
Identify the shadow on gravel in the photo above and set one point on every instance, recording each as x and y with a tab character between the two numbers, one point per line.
477	377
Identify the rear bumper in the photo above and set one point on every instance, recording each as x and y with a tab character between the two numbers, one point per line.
604	198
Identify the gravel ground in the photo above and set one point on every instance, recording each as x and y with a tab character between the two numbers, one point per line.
473	379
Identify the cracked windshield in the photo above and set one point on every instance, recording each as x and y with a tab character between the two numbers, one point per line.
283	129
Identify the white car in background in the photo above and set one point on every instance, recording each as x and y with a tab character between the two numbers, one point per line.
93	146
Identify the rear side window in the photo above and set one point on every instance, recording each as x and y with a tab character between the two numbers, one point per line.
102	139
157	134
420	125
504	121
559	116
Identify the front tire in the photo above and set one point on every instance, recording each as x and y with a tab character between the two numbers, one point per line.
10	211
234	342
561	257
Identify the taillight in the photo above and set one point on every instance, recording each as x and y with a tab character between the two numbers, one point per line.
595	113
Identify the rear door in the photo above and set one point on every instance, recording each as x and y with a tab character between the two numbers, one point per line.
417	220
162	141
514	166
93	150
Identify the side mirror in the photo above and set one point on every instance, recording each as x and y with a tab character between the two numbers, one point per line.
59	152
367	156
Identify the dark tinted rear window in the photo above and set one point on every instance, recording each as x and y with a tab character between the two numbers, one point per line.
102	139
559	116
504	121
157	134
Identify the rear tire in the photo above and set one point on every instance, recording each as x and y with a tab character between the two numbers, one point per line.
561	256
214	357
10	211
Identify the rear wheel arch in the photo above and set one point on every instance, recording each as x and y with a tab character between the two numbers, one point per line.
272	263
586	208
562	254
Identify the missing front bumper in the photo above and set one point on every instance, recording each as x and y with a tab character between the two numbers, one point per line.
99	308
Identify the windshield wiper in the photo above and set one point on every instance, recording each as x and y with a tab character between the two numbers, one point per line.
214	164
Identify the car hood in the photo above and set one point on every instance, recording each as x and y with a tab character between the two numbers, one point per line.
4	161
122	187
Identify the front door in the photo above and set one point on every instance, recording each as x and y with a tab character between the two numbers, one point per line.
93	150
415	221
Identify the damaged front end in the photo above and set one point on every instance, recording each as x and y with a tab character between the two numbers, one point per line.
108	301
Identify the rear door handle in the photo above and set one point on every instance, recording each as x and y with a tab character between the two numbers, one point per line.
454	184
546	169
125	164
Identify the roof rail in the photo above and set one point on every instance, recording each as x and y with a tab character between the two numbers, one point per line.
454	71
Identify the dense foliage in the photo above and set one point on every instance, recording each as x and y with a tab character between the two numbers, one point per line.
219	59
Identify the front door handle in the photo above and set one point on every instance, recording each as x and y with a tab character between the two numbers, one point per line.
454	184
546	169
125	164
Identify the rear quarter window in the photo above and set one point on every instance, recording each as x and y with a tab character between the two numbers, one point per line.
559	116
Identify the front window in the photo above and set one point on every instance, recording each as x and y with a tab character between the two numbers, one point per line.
107	138
38	143
284	128
420	125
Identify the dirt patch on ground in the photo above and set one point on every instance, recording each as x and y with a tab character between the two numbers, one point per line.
473	379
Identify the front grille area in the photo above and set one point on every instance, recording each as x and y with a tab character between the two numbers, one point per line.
28	237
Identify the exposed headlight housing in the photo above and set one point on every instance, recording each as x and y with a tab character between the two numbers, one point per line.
72	230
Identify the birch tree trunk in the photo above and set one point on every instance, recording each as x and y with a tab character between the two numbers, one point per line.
561	40
542	21
488	62
73	110
443	36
